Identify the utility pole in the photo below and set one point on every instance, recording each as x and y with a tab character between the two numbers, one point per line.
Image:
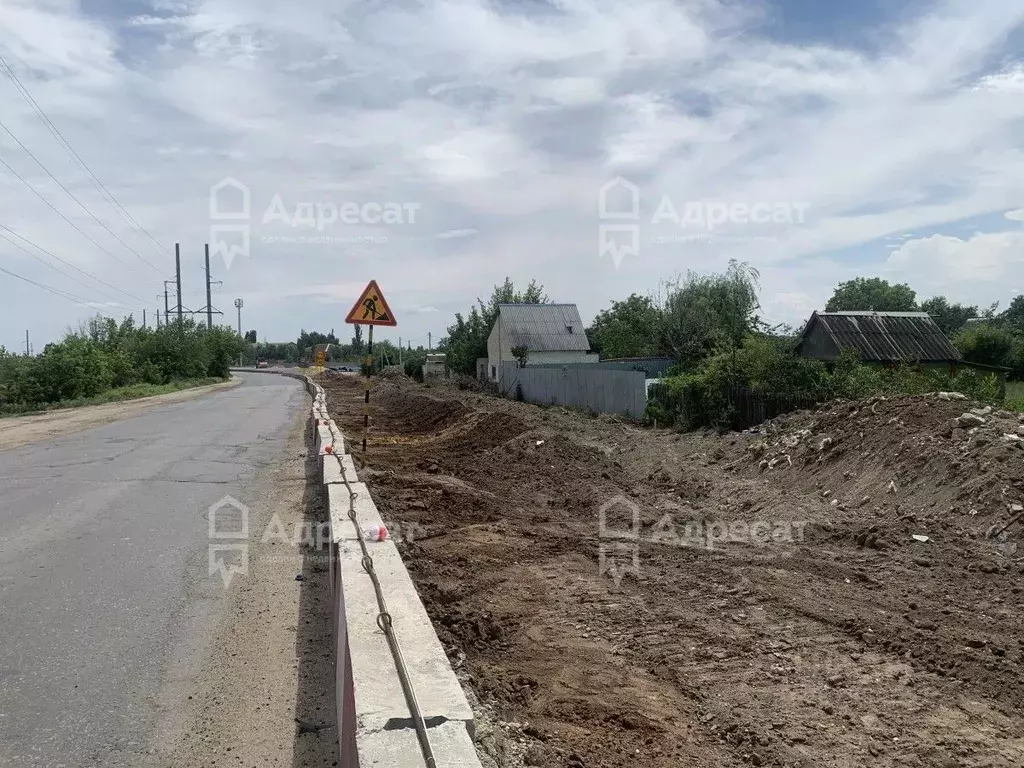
209	301
399	351
177	275
143	319
158	318
28	347
238	305
430	342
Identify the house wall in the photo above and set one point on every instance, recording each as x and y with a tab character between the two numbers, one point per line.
495	351
819	345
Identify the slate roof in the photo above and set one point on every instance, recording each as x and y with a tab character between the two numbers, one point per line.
885	337
544	327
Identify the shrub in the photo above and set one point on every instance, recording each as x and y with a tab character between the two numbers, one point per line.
987	344
770	370
414	369
103	355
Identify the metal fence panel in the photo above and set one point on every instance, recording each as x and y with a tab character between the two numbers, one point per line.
599	390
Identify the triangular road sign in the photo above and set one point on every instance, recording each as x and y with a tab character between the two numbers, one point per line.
371	308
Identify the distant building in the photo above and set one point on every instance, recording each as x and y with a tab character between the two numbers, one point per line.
888	338
551	333
435	365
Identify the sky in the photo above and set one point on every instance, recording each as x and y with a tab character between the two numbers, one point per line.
598	146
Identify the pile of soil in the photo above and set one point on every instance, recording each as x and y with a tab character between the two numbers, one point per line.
827	592
916	461
414	413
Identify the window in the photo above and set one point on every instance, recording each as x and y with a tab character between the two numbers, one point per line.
494	371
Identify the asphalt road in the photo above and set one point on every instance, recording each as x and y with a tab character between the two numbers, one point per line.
106	600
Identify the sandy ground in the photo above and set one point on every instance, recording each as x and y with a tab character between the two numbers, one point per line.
21	430
265	695
818	632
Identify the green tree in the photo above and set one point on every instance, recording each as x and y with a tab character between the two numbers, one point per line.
521	354
949	317
706	314
987	344
309	339
1014	314
872	293
466	338
250	336
103	354
357	341
629	328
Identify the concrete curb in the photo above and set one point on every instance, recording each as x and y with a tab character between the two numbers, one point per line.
374	724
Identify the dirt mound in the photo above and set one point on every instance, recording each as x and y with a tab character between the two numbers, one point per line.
908	454
480	432
400	408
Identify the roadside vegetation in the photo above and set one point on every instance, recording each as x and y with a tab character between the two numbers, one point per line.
711	327
1015	395
709	324
104	361
302	351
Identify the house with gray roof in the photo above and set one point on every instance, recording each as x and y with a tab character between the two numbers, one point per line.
889	339
550	333
879	337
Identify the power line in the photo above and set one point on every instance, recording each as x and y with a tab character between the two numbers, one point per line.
73	197
57	291
108	195
62	261
69	221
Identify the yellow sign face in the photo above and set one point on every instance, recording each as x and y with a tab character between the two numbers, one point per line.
371	308
320	359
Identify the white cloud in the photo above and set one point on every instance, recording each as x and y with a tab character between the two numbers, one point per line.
451	234
965	269
1010	80
1017	215
502	123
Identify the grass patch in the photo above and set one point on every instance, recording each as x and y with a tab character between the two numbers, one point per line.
116	395
1015	395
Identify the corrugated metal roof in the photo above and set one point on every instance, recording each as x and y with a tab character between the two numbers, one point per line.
544	327
887	337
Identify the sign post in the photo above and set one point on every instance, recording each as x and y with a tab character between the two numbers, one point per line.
371	308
